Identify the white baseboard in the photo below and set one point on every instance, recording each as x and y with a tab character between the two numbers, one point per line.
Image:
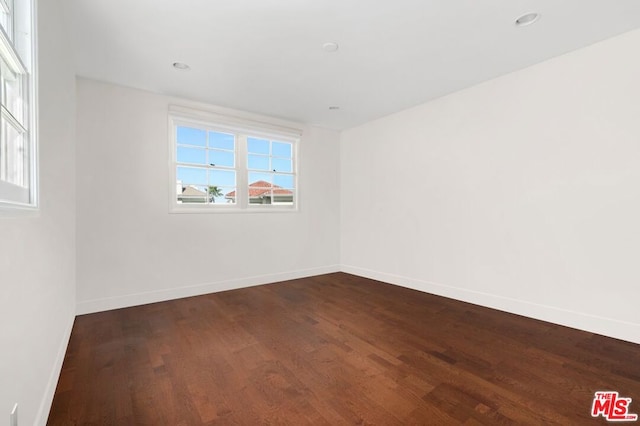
45	405
106	304
587	322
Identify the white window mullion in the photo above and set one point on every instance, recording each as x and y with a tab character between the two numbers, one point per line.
294	170
271	173
6	115
207	159
242	176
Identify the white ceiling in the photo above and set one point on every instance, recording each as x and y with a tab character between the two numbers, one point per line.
266	56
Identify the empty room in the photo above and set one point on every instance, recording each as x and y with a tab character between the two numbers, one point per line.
330	212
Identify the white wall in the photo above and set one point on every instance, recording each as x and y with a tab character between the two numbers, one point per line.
522	193
37	250
131	250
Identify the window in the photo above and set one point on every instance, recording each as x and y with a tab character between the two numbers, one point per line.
222	163
17	104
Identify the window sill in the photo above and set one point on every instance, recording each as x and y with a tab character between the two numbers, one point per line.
233	210
8	208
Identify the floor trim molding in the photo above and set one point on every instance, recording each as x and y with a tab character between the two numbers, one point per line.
47	399
582	321
125	301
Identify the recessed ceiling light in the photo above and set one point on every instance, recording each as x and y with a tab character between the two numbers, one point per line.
527	19
181	66
334	107
330	47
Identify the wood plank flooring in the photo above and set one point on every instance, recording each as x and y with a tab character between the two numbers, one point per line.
331	350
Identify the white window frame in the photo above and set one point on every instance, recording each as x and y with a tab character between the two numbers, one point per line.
242	129
19	50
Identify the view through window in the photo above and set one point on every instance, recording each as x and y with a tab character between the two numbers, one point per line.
224	167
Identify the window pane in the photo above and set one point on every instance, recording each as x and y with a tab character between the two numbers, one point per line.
221	140
281	149
283	181
14	167
6	18
12	93
191	175
191	136
258	146
258	162
281	165
222	158
222	178
222	194
260	179
260	192
192	194
192	155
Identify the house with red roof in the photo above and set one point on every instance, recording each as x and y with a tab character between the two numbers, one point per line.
261	192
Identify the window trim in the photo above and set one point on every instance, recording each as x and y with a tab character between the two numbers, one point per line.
30	106
241	128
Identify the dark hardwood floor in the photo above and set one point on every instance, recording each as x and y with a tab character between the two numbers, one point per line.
331	350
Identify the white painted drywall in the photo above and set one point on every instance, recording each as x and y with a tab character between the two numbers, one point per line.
131	250
37	250
522	193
